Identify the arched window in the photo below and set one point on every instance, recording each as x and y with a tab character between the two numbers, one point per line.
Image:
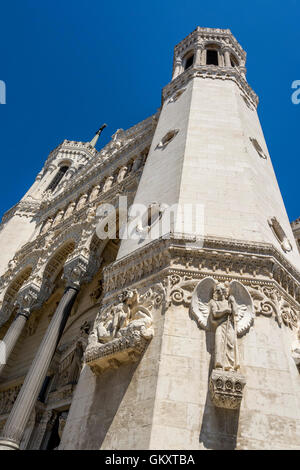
212	57
188	61
57	178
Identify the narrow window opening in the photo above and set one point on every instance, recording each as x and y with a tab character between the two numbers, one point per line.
233	62
258	148
57	178
189	62
212	57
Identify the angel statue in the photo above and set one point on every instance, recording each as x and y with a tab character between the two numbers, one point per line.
229	309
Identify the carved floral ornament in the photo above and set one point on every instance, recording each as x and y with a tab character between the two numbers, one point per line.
267	299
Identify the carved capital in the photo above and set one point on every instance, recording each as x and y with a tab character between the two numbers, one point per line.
75	271
226	388
28	299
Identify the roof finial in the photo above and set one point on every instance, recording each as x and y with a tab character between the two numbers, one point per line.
97	135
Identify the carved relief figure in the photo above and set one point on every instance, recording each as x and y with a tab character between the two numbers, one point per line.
70	209
121	174
122	329
229	309
125	317
108	183
81	201
59	216
47	225
94	193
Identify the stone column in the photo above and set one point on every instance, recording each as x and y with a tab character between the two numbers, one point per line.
203	57
198	55
45	180
12	336
227	58
27	301
177	67
25	402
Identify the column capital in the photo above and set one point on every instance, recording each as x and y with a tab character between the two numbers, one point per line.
76	271
199	46
28	299
51	167
225	48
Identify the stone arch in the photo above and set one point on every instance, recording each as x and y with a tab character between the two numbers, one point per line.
57	261
188	59
72	233
10	293
63	161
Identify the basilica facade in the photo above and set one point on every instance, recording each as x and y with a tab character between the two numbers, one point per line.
181	335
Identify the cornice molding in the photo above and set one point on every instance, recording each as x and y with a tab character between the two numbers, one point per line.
232	259
210	72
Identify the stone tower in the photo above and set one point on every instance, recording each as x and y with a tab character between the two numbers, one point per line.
193	341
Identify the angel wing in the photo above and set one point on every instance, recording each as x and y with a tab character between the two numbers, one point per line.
199	304
245	306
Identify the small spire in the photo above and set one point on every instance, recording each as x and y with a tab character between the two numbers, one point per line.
97	135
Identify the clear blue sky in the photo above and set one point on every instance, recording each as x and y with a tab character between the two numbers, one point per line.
69	66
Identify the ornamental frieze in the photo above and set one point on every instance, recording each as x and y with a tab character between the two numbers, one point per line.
216	257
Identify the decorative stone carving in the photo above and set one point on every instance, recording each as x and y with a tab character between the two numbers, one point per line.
108	183
81	202
280	234
226	388
47	226
122	174
59	216
268	301
257	146
177	95
94	193
29	298
167	139
122	329
62	422
70	209
228	308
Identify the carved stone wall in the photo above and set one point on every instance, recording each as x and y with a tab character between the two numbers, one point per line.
178	363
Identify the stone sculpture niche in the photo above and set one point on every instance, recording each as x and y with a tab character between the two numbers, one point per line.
121	332
228	309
